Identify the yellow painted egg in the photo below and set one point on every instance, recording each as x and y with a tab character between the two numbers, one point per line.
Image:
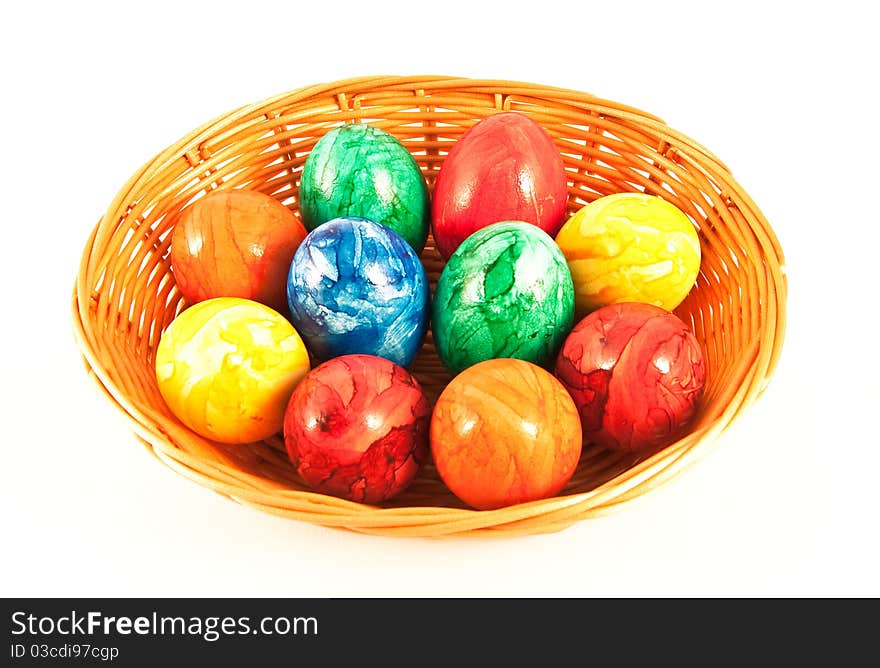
630	247
226	367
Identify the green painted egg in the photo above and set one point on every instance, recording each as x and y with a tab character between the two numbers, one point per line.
505	292
358	170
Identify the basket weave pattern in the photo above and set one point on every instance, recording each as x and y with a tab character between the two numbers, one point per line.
125	294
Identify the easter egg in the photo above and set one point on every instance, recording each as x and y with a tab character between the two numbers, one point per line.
226	368
505	167
356	286
630	247
503	432
360	171
357	427
636	374
235	243
505	292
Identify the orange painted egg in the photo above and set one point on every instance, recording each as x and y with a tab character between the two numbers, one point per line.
505	431
235	243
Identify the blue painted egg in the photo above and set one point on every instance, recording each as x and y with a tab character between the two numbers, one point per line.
356	286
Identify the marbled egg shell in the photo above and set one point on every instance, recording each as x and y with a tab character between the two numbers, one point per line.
636	374
505	431
630	247
226	368
505	167
357	427
360	171
356	286
235	243
505	292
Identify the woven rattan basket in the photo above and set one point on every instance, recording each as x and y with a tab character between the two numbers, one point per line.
125	294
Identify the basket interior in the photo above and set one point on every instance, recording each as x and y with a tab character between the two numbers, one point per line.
127	295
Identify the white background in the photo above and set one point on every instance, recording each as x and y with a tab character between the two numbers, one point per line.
785	505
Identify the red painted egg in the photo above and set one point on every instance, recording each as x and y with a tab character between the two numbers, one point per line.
505	167
356	427
636	374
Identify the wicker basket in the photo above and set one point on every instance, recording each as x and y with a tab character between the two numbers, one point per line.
125	294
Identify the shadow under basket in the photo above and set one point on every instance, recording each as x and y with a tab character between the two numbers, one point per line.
125	294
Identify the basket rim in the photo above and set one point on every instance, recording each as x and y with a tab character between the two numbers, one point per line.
753	370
